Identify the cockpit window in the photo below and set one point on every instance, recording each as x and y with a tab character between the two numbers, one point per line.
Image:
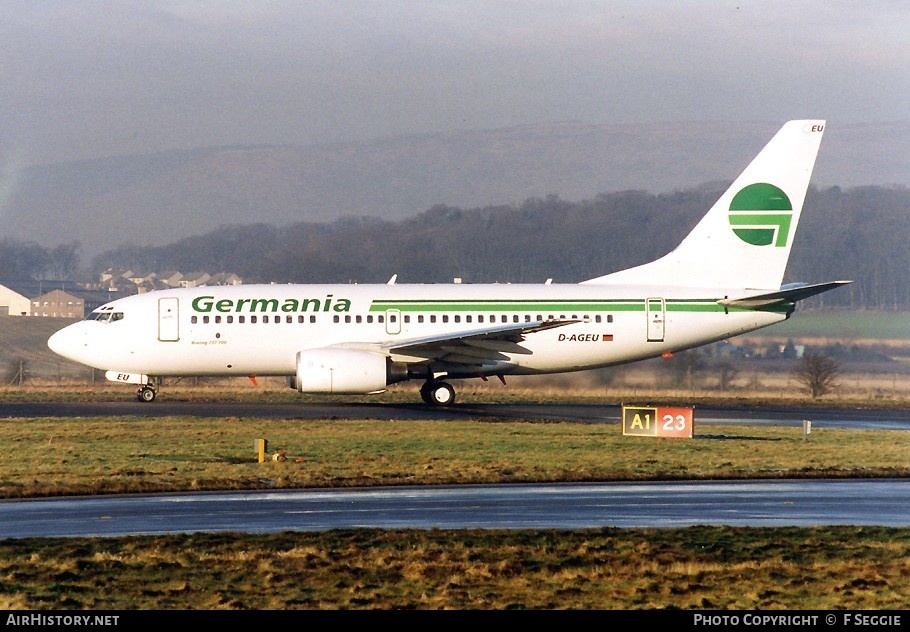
105	317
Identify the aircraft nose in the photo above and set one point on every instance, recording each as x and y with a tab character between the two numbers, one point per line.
66	342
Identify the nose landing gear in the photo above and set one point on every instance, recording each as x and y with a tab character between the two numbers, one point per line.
146	393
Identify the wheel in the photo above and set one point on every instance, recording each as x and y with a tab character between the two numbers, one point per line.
425	393
441	394
146	394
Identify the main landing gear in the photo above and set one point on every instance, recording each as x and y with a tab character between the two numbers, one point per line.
437	393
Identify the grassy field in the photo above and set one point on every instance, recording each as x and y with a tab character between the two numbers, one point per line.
848	325
691	568
695	568
54	457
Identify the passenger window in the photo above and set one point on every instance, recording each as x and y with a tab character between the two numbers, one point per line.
312	319
218	318
193	319
265	319
407	318
241	319
457	318
230	319
445	318
336	319
205	320
369	318
420	318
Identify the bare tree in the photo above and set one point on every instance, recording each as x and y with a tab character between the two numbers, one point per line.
726	374
682	367
817	373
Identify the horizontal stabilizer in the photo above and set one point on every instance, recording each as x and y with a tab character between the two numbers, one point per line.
787	294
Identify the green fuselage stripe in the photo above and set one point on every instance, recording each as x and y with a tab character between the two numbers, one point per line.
563	307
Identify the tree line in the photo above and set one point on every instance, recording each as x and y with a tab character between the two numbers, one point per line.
858	233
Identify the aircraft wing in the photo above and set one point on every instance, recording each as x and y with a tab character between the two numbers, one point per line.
786	294
472	346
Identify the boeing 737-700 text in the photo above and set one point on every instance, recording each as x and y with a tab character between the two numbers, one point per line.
723	279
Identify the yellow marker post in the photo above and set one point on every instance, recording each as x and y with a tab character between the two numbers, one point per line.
261	447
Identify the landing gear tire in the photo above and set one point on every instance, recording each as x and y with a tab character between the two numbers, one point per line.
438	393
145	394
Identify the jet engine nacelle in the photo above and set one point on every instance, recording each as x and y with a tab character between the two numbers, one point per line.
344	371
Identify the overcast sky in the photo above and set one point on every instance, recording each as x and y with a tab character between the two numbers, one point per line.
89	78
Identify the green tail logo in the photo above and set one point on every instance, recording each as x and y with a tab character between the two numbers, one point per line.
760	215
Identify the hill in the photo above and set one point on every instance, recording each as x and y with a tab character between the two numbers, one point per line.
25	339
159	198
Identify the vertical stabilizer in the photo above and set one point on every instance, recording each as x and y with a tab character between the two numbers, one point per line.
744	241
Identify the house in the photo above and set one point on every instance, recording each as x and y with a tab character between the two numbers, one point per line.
141	278
13	303
195	279
225	278
118	283
58	304
111	273
170	278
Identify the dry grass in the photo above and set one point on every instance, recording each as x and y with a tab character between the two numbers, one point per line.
860	389
696	568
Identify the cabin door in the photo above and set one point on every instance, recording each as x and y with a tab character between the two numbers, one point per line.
655	312
168	329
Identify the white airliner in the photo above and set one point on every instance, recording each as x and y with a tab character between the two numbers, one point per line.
724	279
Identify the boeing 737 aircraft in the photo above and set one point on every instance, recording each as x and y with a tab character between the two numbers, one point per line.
724	279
